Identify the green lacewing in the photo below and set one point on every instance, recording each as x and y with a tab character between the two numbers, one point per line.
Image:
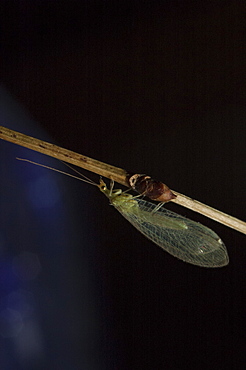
185	239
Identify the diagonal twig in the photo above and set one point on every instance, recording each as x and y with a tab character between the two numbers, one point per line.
117	174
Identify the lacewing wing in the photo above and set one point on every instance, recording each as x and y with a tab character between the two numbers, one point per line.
183	238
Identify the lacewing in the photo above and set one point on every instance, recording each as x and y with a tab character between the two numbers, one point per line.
185	239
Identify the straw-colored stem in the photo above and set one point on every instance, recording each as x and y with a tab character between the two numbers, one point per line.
210	212
103	169
117	174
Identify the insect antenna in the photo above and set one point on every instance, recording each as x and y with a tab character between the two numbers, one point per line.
84	179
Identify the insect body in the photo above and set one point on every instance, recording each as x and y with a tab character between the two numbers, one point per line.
185	239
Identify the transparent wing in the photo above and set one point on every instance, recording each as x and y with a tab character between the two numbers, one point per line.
185	239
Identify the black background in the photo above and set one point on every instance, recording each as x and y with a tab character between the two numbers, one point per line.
154	87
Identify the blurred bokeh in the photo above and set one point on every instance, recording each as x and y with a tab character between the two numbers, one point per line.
154	87
49	281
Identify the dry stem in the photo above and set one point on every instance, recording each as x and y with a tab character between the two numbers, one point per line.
117	174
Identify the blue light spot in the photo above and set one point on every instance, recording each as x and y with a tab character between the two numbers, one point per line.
11	323
44	192
26	266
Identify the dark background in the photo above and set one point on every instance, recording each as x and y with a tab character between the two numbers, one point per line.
154	87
